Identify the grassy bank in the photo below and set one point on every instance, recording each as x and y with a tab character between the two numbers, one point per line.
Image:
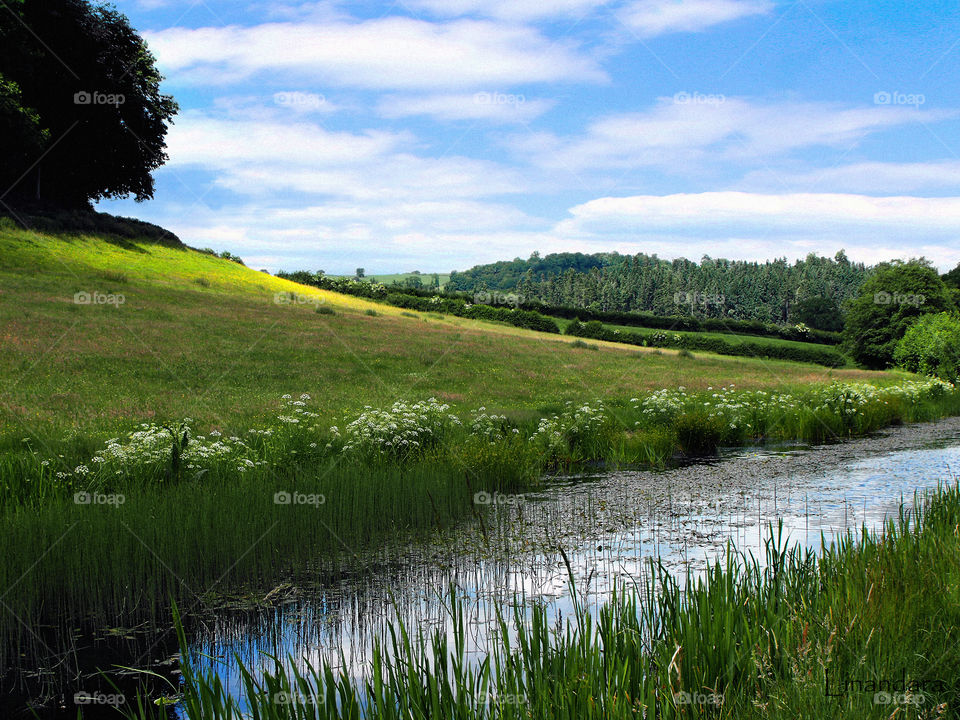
166	512
870	628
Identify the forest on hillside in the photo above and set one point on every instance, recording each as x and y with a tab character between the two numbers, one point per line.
775	291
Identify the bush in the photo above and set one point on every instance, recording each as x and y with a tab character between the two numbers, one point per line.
325	310
931	346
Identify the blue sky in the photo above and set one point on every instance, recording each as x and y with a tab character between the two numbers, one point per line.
438	134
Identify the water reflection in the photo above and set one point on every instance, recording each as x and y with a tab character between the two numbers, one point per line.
609	526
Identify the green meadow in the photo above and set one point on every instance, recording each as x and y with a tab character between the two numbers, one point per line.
178	427
205	338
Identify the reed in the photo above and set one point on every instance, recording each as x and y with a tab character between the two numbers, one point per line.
867	628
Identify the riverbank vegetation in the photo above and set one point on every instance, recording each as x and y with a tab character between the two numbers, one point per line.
867	628
167	511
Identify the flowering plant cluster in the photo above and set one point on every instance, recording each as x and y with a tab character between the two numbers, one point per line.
406	430
575	426
401	431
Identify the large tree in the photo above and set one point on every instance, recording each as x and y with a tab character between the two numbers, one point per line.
889	301
80	85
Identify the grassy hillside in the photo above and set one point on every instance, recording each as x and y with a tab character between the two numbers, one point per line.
206	338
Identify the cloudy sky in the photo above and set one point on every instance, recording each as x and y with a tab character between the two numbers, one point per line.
438	134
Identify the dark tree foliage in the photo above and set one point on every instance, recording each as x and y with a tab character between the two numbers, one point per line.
505	275
713	288
89	104
952	278
21	137
890	300
819	313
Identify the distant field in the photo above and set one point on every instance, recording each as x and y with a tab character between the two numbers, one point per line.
206	338
729	337
426	278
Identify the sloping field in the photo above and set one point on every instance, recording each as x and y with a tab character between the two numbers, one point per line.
161	333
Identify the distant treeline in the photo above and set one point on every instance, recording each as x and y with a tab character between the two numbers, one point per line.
460	305
775	291
467	305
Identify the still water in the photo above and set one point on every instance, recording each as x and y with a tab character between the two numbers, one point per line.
609	526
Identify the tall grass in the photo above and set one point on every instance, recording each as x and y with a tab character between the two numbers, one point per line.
70	566
869	628
173	515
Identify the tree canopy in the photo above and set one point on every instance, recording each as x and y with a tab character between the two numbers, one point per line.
713	288
890	300
81	112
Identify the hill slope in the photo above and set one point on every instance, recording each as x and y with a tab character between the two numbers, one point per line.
206	338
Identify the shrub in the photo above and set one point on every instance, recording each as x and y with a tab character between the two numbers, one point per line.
325	310
931	346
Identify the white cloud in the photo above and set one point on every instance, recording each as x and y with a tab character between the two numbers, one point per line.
513	10
388	53
496	107
865	177
747	225
690	129
259	156
197	139
648	18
